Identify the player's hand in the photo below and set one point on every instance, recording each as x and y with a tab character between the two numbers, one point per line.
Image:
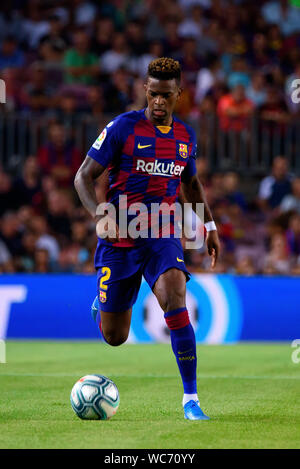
213	247
107	229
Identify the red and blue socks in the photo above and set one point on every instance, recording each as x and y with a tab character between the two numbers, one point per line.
183	343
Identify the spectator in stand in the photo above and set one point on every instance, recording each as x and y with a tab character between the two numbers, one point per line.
190	61
117	56
67	109
282	13
41	261
37	95
25	261
119	91
6	264
274	113
7	196
245	266
256	91
275	187
234	110
259	56
291	202
51	53
104	33
138	96
153	17
293	235
75	254
135	38
59	157
231	190
192	25
10	233
207	77
278	261
172	42
239	74
35	25
95	102
40	228
84	12
11	22
56	34
155	51
27	187
59	213
11	56
82	66
275	41
24	216
210	40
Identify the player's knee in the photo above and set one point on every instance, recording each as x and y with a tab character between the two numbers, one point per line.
170	290
172	300
115	338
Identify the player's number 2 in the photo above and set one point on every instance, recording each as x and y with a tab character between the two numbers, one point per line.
106	273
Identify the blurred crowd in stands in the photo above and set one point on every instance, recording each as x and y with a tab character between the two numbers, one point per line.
89	56
63	59
44	228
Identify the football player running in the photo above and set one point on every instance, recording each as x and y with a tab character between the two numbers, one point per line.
150	156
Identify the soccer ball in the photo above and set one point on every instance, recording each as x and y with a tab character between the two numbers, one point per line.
95	397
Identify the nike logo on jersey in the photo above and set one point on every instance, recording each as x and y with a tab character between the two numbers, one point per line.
140	147
179	260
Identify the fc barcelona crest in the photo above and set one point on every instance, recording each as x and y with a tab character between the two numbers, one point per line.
103	296
183	150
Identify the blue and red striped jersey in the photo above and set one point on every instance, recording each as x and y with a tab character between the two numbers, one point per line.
145	162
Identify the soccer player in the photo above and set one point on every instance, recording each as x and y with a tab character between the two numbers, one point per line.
150	154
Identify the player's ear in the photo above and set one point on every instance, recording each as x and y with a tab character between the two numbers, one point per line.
179	92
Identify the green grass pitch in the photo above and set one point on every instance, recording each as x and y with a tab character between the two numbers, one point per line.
251	393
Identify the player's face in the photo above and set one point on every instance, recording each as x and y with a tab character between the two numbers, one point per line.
162	96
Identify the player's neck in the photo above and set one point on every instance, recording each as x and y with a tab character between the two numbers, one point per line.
166	122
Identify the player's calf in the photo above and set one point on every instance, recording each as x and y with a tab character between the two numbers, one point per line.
114	327
114	337
184	347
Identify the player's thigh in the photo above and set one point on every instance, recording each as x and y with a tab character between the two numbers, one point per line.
116	296
117	293
166	273
170	289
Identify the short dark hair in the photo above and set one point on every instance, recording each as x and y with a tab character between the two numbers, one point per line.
165	68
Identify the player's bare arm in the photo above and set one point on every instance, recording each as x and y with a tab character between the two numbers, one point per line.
194	193
84	183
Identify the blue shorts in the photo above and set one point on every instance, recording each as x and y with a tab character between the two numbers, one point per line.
120	270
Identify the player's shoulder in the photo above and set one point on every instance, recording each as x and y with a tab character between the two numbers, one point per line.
127	118
123	125
188	128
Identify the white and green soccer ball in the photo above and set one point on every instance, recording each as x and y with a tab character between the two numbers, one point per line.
95	397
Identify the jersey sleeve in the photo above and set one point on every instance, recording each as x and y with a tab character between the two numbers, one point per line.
190	169
108	144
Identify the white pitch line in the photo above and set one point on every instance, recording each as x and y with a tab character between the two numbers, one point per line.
200	376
